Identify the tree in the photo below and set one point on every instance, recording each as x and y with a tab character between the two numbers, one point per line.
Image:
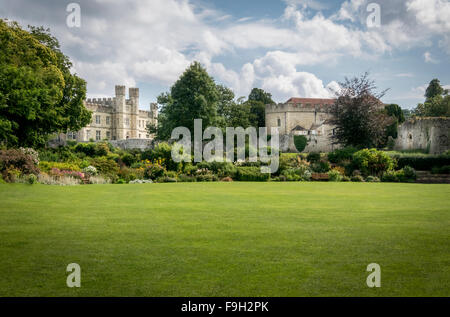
193	96
396	113
39	95
358	114
437	102
258	99
434	89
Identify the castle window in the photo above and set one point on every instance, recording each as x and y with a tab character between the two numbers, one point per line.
139	136
279	122
127	122
98	135
71	135
88	134
97	119
147	136
108	135
128	108
108	120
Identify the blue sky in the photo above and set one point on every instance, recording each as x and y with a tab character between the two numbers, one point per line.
300	48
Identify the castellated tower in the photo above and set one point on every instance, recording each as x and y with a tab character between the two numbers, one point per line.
116	118
134	111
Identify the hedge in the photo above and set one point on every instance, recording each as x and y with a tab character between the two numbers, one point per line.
251	174
423	163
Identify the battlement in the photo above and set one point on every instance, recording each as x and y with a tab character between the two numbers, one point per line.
298	107
101	101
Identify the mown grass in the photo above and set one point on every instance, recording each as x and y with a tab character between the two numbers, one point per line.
225	239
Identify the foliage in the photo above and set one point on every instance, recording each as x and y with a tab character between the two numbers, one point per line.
334	175
441	170
437	102
373	162
341	155
422	162
313	157
193	96
357	116
154	171
300	142
90	170
38	94
372	179
104	166
357	178
47	166
14	162
251	174
321	167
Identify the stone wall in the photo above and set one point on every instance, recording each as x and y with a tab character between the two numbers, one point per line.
128	144
430	134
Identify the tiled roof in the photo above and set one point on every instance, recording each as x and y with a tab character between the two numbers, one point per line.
311	100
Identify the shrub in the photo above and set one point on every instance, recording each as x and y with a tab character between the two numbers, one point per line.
46	179
345	178
357	178
340	155
32	179
389	176
226	179
373	162
313	157
422	162
14	162
372	179
206	178
128	159
321	167
87	149
334	175
47	166
166	179
441	170
251	174
98	180
105	166
186	178
407	174
300	142
162	154
154	171
301	173
90	170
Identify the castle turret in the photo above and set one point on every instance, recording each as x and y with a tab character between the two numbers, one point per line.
120	98
154	111
134	99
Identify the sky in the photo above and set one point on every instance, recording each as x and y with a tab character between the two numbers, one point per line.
290	48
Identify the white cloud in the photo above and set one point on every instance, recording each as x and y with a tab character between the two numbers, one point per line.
429	59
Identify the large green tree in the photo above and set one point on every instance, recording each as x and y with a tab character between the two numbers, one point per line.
193	96
396	113
39	95
258	99
359	114
437	101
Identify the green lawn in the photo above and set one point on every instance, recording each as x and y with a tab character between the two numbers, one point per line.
225	239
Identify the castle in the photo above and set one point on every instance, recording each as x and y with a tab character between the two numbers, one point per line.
116	118
303	116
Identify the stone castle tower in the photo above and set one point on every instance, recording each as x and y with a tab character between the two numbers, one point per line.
117	118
